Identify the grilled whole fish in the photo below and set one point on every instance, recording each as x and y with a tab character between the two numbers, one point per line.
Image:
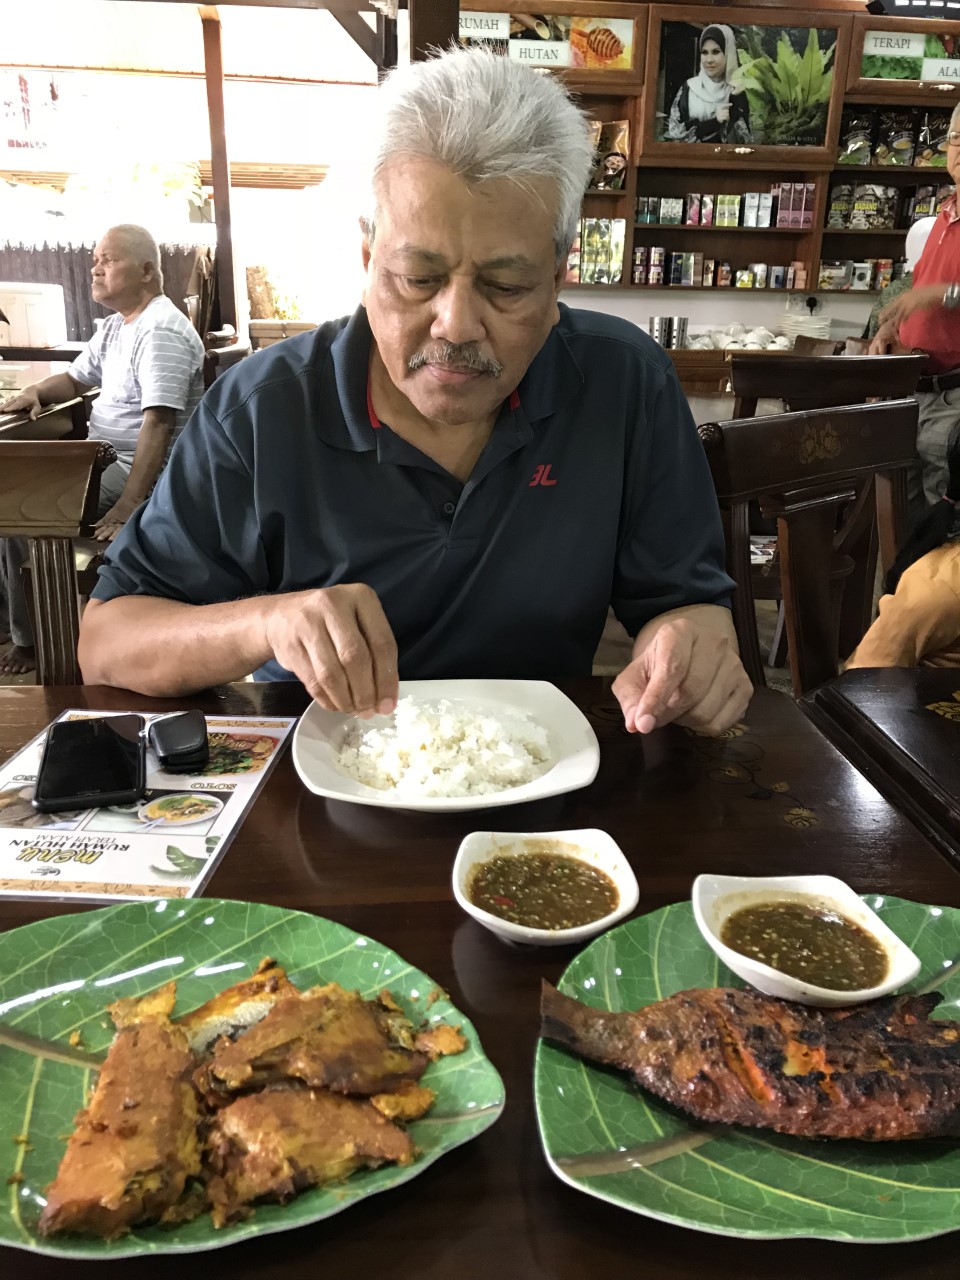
876	1071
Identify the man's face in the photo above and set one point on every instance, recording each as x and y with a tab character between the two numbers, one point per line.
953	150
461	286
118	279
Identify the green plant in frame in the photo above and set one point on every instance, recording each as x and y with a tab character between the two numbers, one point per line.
788	94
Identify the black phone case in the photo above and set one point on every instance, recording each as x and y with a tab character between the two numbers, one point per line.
180	742
91	800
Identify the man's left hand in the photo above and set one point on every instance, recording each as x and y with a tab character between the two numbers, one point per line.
112	521
911	300
685	669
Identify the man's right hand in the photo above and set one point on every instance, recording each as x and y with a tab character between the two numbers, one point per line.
25	400
338	642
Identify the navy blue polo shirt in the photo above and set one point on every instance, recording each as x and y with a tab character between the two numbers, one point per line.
593	489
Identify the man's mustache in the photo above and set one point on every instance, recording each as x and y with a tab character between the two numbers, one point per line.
465	356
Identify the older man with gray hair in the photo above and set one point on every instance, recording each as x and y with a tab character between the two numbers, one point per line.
146	359
456	481
927	318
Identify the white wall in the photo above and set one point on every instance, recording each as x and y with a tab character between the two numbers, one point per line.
848	312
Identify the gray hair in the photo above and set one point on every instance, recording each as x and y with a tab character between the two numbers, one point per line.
141	244
485	116
955	118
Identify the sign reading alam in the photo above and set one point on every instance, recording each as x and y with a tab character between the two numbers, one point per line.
911	55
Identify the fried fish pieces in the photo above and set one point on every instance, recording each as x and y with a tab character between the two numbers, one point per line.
135	1145
273	1144
327	1038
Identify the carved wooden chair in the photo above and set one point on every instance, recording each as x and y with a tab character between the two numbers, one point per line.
821	382
49	491
804	468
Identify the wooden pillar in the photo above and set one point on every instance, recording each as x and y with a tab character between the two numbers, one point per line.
219	164
386	44
432	22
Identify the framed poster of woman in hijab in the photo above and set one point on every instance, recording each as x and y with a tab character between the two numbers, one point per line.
741	81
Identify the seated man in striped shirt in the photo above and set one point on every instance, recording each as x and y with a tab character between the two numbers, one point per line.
146	359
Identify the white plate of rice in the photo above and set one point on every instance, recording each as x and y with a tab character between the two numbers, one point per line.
452	745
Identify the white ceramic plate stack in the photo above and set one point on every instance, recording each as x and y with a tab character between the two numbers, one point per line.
792	323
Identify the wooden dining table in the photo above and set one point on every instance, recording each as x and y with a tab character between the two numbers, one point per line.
771	797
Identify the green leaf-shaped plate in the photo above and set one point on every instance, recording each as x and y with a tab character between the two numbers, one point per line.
59	974
742	1182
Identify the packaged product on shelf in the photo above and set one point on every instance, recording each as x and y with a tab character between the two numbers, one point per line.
759	270
931	150
784	204
613	152
835	275
923	203
691	211
809	204
600	259
778	277
706	211
796	204
840	206
674	274
618	243
765	209
671	210
640	264
709	269
942	194
640	209
573	259
751	207
884	272
899	268
896	137
688	269
734	211
857	128
744	278
862	276
724	275
874	207
800	275
792	276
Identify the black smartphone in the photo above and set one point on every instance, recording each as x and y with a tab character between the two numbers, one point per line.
92	762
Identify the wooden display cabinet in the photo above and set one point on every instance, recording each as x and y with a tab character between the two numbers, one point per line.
673	63
739	246
905	45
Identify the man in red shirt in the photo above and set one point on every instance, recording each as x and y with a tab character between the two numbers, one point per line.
927	318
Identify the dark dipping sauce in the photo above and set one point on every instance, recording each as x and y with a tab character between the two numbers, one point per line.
815	944
542	888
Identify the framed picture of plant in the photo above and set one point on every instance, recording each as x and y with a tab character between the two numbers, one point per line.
897	58
738	83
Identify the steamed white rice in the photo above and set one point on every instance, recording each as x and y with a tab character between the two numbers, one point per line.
446	748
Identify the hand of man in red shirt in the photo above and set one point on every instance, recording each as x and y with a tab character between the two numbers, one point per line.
911	300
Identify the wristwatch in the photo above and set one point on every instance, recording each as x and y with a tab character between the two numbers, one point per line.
951	297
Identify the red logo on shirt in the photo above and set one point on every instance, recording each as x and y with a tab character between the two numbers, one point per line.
542	476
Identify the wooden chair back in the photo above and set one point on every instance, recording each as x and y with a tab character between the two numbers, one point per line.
804	345
803	468
819	381
49	491
217	359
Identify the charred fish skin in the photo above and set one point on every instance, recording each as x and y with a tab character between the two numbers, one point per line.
881	1071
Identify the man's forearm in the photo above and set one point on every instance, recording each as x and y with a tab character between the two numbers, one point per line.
149	455
56	388
164	648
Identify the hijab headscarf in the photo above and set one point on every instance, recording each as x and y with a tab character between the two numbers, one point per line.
706	94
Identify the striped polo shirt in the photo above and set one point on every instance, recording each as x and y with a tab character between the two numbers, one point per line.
152	362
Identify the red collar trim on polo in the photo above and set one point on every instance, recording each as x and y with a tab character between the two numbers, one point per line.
513	400
374	420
